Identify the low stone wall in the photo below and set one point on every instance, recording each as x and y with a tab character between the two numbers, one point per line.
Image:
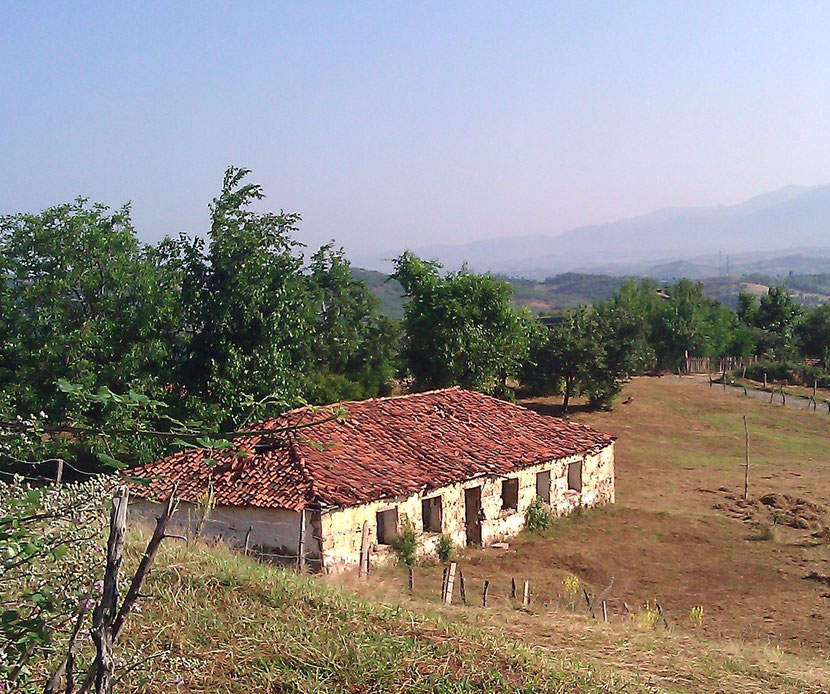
342	529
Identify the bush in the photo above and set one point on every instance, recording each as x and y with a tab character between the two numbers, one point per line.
406	543
791	373
538	516
445	548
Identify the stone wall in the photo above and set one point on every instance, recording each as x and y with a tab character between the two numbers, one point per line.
277	530
342	529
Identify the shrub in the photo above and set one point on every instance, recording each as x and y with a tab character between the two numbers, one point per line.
445	548
406	543
791	373
538	516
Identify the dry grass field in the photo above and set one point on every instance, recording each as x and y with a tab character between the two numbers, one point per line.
680	534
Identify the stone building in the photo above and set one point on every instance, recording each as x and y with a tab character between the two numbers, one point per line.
452	462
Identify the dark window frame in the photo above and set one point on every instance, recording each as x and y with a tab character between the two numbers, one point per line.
510	494
383	531
573	485
431	523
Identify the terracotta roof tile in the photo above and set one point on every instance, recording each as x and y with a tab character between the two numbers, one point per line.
385	447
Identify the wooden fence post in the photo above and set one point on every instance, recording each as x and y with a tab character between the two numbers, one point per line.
588	602
106	610
301	544
450	582
513	587
605	611
363	566
444	585
411	580
765	380
462	586
484	594
248	539
746	459
526	594
59	472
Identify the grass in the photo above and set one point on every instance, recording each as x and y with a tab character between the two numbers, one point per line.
233	625
674	536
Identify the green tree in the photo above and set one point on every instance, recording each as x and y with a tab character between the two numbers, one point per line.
84	301
355	346
815	334
246	303
460	328
778	313
563	361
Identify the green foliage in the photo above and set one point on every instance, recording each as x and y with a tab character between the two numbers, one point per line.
460	328
82	300
539	517
51	545
592	352
355	345
217	332
815	334
445	548
406	544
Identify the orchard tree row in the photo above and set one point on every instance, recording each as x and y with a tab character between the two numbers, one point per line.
238	324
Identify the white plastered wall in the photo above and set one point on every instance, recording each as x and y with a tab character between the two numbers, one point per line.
272	530
342	529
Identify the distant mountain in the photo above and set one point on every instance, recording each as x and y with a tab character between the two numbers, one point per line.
763	234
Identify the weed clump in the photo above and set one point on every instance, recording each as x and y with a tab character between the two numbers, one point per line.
445	548
538	516
406	544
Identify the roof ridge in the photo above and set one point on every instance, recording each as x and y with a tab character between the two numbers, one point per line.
382	398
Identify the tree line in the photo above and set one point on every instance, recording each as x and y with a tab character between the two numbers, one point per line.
240	324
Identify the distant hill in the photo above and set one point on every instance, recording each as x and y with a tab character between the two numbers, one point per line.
571	289
775	233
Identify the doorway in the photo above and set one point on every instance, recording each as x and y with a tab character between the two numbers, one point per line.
472	515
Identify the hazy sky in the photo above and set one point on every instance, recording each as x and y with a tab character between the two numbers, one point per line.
389	124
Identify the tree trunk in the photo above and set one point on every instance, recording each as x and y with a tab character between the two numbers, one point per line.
566	396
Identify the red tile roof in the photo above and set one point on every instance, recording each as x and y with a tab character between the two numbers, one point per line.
384	447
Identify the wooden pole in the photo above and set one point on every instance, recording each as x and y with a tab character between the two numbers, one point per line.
301	544
444	585
815	387
484	594
411	580
746	459
588	602
450	582
526	594
513	587
59	472
604	611
463	587
106	610
765	380
248	539
363	565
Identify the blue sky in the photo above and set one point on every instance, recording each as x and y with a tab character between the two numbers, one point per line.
400	124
